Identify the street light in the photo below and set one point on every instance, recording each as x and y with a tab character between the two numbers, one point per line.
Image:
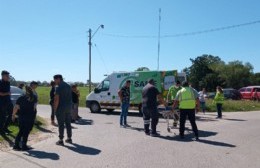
89	43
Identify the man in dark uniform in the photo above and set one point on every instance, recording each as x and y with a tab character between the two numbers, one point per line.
62	108
150	95
5	103
52	94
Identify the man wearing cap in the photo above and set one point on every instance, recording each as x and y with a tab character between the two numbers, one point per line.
62	108
188	100
150	94
5	102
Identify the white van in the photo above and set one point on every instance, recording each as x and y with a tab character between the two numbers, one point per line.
105	95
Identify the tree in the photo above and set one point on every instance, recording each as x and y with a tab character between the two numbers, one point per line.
143	69
235	74
201	73
255	79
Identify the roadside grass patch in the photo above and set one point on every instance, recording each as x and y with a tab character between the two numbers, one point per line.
234	105
39	124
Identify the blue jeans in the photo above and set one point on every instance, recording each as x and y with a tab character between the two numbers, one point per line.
124	112
203	106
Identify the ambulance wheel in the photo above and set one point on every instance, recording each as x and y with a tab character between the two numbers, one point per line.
110	110
95	107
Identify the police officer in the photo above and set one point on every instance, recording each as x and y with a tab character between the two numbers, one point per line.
188	100
62	108
173	90
26	105
5	103
150	94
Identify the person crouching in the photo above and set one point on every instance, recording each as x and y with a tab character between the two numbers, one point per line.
27	108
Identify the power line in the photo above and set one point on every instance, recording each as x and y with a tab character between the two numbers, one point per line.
101	58
186	34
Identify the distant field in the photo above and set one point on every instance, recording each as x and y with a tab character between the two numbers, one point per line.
44	95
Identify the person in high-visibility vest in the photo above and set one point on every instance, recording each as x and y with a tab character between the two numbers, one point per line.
173	90
219	99
188	100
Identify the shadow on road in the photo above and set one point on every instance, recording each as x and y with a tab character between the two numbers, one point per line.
83	149
230	119
85	122
202	134
131	114
42	155
8	139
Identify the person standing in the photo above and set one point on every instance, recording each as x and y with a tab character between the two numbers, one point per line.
150	94
34	86
75	103
124	95
27	113
62	108
173	90
219	99
188	100
5	102
52	94
21	86
202	96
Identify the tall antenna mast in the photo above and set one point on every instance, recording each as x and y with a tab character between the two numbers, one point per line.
159	41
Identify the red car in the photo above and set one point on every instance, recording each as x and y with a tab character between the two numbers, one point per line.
250	92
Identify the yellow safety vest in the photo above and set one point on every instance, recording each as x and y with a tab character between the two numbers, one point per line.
187	98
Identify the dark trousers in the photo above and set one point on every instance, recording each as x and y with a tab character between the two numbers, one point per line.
3	110
64	117
52	112
8	118
191	115
25	128
219	109
5	115
148	114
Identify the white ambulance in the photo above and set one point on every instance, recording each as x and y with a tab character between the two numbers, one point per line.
105	95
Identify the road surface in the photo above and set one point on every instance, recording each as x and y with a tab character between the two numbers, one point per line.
99	142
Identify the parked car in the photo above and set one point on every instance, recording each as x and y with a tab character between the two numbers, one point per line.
249	92
230	93
16	93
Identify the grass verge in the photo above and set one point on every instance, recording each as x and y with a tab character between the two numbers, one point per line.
234	105
40	123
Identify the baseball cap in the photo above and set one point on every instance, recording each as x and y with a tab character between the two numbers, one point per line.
5	73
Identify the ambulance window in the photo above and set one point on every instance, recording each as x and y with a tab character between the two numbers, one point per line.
106	85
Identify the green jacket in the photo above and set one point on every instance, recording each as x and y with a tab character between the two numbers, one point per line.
173	90
219	98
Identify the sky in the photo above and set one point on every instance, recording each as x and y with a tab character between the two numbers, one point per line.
40	38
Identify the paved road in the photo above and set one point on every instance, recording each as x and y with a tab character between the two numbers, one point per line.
233	142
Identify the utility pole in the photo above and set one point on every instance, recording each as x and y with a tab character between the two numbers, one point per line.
90	36
89	43
159	41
